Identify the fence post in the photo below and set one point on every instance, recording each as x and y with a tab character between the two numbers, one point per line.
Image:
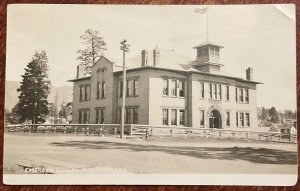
147	133
130	129
65	129
115	131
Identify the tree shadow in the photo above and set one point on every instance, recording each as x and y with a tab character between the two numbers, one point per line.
255	155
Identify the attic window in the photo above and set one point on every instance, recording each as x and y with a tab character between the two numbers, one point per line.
104	69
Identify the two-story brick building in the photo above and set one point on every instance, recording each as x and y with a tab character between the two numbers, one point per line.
165	88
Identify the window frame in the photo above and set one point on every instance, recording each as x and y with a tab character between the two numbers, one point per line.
174	118
165	118
227	93
202	90
202	118
182	88
173	89
165	87
103	92
227	118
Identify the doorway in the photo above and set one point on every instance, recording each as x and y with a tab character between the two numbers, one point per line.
215	120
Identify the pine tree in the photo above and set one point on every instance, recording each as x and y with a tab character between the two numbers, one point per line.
34	90
273	114
95	45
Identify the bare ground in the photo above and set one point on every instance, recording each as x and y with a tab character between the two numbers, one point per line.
91	154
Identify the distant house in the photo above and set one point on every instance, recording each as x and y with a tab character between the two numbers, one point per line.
286	128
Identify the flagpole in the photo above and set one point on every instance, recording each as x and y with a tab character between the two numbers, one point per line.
207	24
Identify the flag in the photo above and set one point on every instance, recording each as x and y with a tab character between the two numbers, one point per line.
200	10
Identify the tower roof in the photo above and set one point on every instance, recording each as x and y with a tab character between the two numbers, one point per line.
208	44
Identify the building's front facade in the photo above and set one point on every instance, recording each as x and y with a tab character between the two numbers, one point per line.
166	89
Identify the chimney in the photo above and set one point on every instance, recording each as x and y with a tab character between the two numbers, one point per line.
156	55
77	75
249	74
144	57
80	72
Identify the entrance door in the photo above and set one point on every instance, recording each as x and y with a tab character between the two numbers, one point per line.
215	119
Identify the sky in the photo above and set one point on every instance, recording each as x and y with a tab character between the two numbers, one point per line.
259	36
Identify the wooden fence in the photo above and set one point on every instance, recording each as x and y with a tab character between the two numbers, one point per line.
146	131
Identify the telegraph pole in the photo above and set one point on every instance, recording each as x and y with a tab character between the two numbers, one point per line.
124	48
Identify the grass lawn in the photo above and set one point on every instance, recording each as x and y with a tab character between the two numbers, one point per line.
93	154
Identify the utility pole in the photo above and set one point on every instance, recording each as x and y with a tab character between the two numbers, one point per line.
124	48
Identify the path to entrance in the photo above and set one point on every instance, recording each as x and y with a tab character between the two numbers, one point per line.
110	154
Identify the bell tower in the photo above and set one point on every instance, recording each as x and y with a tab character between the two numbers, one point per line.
208	57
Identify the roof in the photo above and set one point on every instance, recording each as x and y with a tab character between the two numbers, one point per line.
79	79
282	126
169	60
208	43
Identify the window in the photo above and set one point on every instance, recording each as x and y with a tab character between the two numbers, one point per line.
173	88
98	90
103	90
237	119
173	117
210	91
211	51
247	119
99	116
227	93
236	94
181	88
128	116
205	51
129	88
136	88
165	87
242	119
181	117
216	91
241	95
201	118
84	116
199	51
220	92
81	93
135	112
227	118
201	89
216	52
246	95
84	93
121	89
165	117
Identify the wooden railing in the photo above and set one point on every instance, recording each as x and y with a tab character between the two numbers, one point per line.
92	129
170	131
147	130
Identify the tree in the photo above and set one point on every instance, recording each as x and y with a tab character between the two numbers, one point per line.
34	90
66	112
14	117
273	114
95	46
263	114
53	110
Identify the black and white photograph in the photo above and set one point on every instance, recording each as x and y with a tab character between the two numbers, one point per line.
150	95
